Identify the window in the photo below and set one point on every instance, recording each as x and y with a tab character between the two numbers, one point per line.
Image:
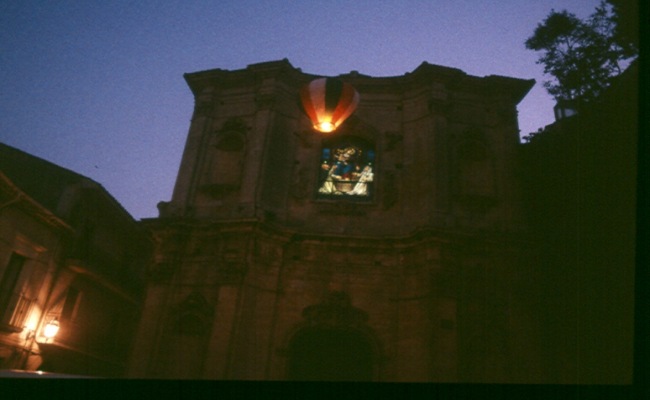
71	304
223	167
347	169
13	305
227	160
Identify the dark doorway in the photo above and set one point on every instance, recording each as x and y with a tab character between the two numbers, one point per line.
330	354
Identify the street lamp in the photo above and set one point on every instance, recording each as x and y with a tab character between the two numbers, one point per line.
51	329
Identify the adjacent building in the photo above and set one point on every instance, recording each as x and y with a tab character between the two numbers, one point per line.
71	256
580	181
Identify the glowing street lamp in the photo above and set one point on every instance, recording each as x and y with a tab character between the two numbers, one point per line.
328	102
51	329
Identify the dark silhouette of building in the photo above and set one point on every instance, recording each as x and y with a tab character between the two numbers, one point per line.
580	176
270	264
70	254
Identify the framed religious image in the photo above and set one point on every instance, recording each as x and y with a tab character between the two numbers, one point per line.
347	170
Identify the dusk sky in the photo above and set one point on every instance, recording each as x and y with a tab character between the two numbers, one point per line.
97	86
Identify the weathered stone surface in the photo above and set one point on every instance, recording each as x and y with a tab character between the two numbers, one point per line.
393	272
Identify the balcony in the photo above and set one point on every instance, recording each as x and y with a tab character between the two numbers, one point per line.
14	311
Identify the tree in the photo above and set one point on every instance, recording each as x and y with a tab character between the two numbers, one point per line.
626	17
582	56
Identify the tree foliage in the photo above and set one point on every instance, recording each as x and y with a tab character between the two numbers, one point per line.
627	18
582	55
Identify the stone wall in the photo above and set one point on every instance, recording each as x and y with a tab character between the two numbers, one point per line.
418	278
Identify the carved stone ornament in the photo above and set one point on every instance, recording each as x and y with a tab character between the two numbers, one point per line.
336	310
233	125
193	315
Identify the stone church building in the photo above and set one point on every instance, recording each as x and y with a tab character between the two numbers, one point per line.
270	266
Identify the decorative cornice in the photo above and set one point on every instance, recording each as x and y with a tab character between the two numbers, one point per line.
286	235
514	89
193	316
343	208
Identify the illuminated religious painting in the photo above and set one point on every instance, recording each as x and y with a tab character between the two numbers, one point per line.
347	170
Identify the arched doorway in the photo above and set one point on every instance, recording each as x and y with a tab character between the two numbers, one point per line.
330	354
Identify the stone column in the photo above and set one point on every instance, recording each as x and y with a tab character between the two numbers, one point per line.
220	341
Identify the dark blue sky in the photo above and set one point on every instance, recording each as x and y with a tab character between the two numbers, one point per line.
97	86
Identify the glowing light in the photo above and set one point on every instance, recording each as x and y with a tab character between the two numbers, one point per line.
31	322
325	127
30	326
328	102
51	329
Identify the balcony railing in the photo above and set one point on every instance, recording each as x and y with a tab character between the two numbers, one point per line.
15	313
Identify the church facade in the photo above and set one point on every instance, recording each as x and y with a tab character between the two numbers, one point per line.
393	249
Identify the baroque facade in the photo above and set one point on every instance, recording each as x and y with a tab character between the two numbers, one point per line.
270	265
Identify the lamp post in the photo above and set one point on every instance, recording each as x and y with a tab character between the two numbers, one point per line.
30	338
49	331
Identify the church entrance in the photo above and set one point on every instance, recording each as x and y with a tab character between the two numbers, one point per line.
330	354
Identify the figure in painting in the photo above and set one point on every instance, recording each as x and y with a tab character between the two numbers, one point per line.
361	188
346	175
